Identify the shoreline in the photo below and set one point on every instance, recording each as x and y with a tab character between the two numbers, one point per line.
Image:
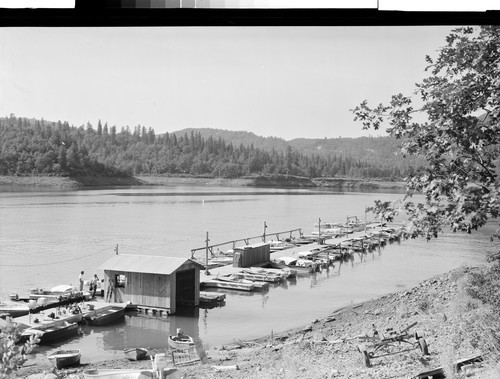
23	183
327	347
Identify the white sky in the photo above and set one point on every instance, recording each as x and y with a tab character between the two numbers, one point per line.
287	82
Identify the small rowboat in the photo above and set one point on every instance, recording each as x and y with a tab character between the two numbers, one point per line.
65	358
47	333
105	315
183	342
135	353
119	374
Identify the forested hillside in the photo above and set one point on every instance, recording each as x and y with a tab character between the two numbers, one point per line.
39	147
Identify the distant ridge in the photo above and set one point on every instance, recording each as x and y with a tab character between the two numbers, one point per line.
369	148
237	138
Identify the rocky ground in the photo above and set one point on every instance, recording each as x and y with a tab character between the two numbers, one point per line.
327	347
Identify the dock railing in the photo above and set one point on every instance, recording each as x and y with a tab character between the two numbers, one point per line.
247	240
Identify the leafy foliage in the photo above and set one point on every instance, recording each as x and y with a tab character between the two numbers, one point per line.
12	354
459	138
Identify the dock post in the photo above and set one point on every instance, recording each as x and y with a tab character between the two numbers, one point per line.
319	230
206	266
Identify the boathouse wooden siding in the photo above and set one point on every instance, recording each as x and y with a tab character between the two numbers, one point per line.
249	255
152	281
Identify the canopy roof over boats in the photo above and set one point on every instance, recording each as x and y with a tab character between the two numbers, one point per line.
146	264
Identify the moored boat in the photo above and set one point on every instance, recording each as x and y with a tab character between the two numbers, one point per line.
301	266
135	353
278	245
65	358
105	315
51	331
228	285
14	309
262	277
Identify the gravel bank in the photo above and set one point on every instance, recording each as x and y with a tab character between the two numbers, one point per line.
327	347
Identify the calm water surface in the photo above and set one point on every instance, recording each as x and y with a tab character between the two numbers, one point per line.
47	238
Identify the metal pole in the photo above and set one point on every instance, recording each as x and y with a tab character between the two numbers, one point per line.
319	230
265	227
206	266
365	220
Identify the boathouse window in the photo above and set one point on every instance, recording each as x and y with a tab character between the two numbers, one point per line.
120	281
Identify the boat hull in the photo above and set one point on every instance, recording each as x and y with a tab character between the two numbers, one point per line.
14	309
166	373
51	332
184	344
118	374
135	354
65	358
228	285
105	315
299	271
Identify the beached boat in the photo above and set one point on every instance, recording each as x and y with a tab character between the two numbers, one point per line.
119	374
166	373
135	353
105	315
180	342
65	358
51	331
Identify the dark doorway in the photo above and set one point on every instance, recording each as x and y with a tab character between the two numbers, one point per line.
185	287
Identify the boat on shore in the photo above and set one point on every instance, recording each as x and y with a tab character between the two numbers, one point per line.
135	353
180	342
65	358
119	374
51	331
105	315
164	373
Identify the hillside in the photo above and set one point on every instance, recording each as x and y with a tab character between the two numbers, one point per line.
32	147
363	147
237	138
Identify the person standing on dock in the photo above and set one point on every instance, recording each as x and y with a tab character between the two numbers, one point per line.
81	280
93	285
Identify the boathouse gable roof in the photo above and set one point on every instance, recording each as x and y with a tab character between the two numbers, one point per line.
147	264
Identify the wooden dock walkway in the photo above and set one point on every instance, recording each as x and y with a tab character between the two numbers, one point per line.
88	308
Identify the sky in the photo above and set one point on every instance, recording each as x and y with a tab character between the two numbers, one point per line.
286	82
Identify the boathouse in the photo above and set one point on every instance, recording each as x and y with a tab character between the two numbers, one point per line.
152	281
249	255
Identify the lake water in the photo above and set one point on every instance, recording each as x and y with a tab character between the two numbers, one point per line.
47	238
